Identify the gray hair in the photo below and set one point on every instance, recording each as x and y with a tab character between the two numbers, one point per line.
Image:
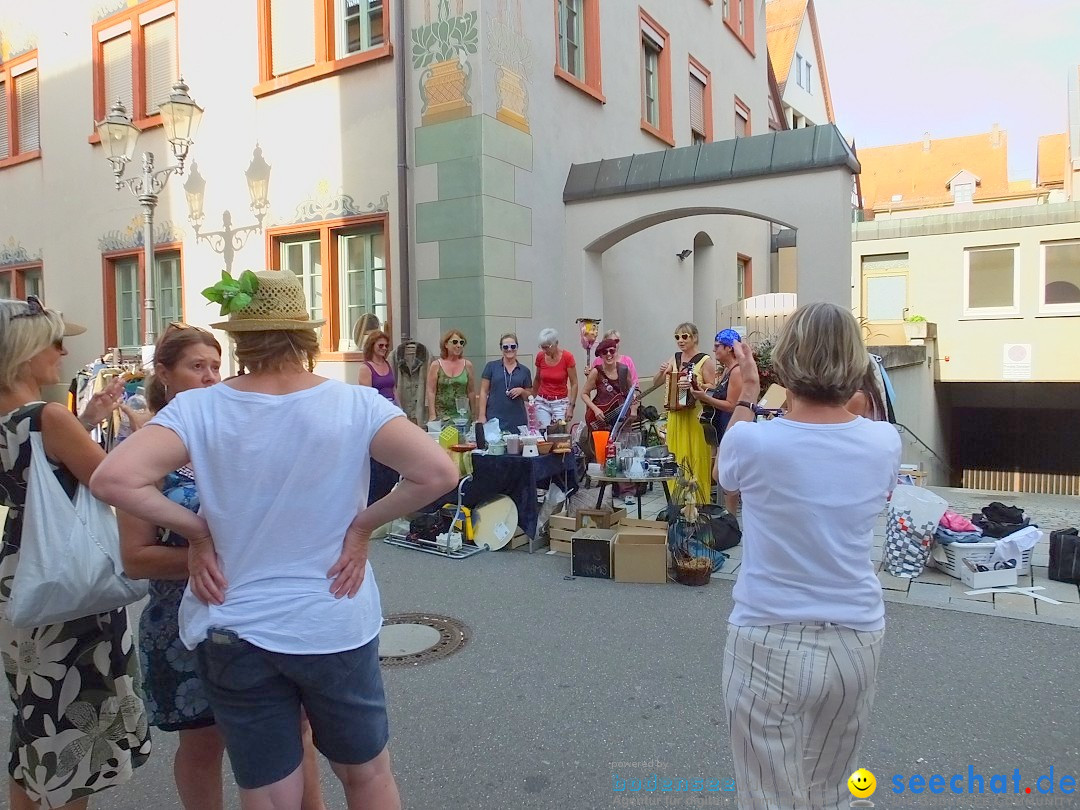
548	337
24	333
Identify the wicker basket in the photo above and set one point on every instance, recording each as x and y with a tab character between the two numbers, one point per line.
693	570
948	557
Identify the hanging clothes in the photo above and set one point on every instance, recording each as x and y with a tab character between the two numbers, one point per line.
410	366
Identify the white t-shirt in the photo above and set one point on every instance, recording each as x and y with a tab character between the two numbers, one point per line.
280	479
811	495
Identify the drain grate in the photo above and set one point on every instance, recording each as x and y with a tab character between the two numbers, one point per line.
408	639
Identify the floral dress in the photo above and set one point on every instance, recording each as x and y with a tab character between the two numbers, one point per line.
79	724
174	694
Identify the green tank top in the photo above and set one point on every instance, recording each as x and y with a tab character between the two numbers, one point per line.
447	390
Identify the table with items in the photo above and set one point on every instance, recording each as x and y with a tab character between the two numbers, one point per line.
520	478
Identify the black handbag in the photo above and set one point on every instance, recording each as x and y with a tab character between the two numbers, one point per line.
1065	556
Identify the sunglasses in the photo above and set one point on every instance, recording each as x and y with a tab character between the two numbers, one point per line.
382	345
509	347
610	351
176	326
683	336
34	308
456	341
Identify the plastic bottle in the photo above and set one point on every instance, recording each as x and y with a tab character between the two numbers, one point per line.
137	402
533	416
611	460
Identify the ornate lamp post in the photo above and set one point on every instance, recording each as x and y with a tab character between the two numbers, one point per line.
180	116
229	239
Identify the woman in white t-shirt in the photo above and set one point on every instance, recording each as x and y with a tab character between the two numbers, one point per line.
282	458
805	635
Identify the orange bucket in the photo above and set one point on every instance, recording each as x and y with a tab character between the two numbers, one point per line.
600	440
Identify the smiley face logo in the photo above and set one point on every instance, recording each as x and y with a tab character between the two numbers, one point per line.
862	784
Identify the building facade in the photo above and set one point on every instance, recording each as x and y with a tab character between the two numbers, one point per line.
993	267
416	153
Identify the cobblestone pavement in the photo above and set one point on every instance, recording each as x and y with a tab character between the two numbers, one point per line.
935	588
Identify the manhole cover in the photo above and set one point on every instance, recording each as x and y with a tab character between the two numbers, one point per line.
408	639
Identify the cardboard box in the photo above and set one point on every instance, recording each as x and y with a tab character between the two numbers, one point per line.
987	579
641	555
565	522
634	523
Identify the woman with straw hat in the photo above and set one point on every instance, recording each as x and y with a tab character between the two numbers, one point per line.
282	606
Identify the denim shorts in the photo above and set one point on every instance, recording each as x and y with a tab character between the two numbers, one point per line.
256	696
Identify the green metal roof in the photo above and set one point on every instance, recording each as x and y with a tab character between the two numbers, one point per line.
793	150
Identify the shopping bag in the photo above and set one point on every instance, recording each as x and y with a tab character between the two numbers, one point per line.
69	555
1065	556
912	517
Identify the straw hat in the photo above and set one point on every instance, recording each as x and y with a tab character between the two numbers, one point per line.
278	304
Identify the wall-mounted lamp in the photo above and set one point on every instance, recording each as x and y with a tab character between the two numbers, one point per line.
683	254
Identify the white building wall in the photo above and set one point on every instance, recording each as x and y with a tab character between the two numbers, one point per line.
809	105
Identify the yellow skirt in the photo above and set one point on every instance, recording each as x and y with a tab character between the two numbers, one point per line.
686	441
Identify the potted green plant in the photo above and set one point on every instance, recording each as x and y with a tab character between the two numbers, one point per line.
437	49
916	327
689	534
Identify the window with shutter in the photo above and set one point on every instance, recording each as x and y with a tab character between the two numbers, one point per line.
116	63
292	35
697	107
5	141
159	61
26	103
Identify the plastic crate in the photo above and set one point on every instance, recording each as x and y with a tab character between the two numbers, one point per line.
976	552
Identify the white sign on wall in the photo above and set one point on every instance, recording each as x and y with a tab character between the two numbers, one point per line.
1016	361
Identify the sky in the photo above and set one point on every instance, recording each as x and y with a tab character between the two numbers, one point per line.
899	68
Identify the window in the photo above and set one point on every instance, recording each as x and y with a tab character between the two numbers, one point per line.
742	119
124	276
344	271
571	36
990	282
799	69
655	80
1060	278
21	281
304	40
885	283
744	277
577	37
807	84
701	113
20	137
739	18
136	61
651	82
963	192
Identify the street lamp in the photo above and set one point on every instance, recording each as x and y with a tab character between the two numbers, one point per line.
229	239
180	117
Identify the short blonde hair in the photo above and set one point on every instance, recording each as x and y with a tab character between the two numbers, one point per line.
508	335
23	333
686	326
276	350
820	354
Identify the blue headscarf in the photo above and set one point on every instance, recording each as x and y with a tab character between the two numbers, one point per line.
727	337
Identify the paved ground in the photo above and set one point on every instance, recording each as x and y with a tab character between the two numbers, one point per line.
935	588
567	682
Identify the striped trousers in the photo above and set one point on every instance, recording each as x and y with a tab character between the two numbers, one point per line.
798	700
